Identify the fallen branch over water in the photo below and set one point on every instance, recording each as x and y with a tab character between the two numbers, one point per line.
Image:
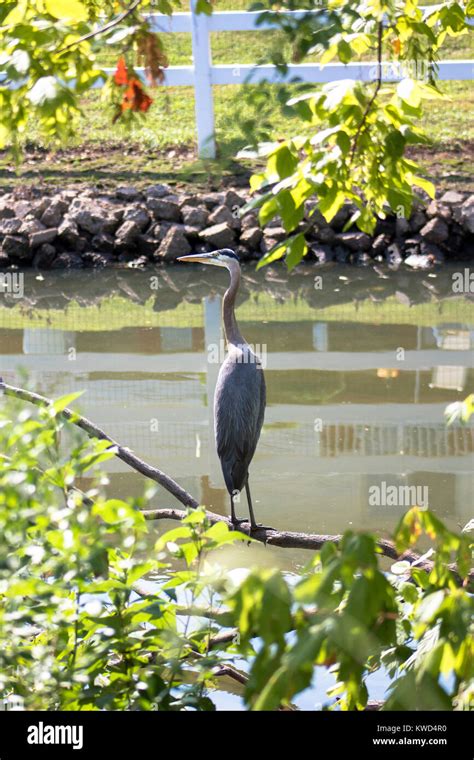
285	539
292	540
123	453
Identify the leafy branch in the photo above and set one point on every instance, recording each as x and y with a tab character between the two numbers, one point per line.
104	29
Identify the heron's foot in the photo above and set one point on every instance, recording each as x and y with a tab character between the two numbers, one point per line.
259	526
236	521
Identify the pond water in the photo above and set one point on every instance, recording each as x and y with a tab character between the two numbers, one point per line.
359	366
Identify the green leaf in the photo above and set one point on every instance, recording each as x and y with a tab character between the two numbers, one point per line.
331	202
72	10
409	91
428	607
295	251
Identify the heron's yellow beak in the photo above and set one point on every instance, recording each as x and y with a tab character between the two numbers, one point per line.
200	258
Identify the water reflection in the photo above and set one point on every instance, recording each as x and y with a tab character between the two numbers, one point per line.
359	369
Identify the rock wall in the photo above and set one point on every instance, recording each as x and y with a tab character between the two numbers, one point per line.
74	228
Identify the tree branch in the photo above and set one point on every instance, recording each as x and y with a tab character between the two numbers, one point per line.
285	539
110	25
378	84
125	454
311	541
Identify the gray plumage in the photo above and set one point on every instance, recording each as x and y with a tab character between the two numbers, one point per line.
239	408
239	401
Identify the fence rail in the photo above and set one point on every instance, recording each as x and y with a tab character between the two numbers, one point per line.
203	75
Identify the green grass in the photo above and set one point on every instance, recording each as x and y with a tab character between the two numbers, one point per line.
102	151
116	313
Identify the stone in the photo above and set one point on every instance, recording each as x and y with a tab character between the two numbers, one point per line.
67	261
6	210
323	253
192	233
10	226
68	232
103	242
54	212
380	243
233	200
16	247
139	216
360	259
418	261
22	208
467	214
147	244
127	234
158	191
219	235
415	240
195	216
325	235
44	256
43	236
89	221
432	250
313	214
341	254
402	226
97	259
4	260
248	221
355	241
251	237
174	244
82	244
159	231
210	200
29	226
163	208
126	193
452	198
436	230
393	256
385	226
223	214
342	216
139	263
276	233
97	219
435	208
417	220
268	243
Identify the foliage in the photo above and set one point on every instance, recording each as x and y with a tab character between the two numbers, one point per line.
48	58
360	132
460	410
95	613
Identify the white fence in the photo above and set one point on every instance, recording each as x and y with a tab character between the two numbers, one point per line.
203	74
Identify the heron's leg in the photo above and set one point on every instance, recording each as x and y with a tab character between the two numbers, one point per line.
254	525
235	520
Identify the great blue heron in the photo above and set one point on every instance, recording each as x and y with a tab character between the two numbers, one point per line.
239	401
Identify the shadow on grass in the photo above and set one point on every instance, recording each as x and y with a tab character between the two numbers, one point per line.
107	165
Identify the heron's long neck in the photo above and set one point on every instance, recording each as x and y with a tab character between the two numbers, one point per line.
231	328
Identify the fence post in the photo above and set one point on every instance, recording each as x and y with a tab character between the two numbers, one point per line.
204	107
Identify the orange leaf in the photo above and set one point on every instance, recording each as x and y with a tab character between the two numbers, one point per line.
396	46
121	73
135	98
